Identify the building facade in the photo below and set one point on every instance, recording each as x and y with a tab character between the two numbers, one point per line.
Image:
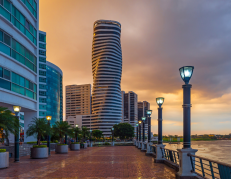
54	92
142	112
78	100
106	69
130	108
42	75
19	24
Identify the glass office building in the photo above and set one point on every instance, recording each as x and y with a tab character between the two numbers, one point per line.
54	92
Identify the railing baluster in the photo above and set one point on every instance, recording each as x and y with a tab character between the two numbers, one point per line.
202	168
193	169
211	168
174	157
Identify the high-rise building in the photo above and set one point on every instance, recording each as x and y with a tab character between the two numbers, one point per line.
78	100
130	108
106	69
54	92
142	112
19	24
50	85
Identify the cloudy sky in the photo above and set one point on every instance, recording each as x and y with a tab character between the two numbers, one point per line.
157	38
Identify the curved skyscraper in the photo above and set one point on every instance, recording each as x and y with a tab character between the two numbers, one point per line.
106	69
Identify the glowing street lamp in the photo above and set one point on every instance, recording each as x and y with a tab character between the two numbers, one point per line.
149	113
140	130
137	126
112	130
48	137
143	121
160	101
16	146
186	74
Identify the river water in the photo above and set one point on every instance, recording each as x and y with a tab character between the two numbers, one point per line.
219	150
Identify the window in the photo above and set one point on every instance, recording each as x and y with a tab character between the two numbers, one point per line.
42	113
4	84
32	6
42	106
42	73
42	38
18	89
42	86
42	46
41	52
7	39
42	59
42	93
42	66
42	100
1	72
6	74
43	80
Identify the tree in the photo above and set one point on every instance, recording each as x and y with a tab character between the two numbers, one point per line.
76	132
97	133
38	128
85	132
61	128
123	131
8	122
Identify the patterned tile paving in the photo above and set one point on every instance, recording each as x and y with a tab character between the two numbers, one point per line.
96	162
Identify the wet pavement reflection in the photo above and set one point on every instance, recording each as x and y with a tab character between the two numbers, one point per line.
95	162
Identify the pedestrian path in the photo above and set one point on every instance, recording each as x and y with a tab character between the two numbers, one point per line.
95	162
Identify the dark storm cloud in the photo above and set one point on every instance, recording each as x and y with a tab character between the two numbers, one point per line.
178	33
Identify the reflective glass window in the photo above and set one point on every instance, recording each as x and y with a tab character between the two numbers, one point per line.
4	84
7	5
6	74
1	35
18	89
1	72
42	106
29	94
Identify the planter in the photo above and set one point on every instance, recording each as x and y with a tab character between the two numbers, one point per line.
75	147
85	145
61	149
4	159
39	153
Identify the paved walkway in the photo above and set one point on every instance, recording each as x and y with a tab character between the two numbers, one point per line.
95	162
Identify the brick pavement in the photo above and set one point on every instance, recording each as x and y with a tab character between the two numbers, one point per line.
95	162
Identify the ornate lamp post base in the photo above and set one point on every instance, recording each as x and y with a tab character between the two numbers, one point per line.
148	151
185	165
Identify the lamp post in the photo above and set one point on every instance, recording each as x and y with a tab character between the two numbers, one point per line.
112	130
16	145
160	101
77	135
48	137
149	112
137	126
186	74
140	130
143	121
185	165
90	137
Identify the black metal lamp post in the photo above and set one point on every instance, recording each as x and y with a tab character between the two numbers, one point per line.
48	137
90	136
77	135
143	120
137	126
140	130
149	112
186	74
112	130
16	145
160	101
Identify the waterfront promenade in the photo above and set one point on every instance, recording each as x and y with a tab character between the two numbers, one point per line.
95	162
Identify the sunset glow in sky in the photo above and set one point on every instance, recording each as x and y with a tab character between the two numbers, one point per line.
157	38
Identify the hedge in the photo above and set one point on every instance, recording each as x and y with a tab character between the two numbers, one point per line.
39	146
2	150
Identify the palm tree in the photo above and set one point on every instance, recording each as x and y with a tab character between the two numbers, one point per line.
8	122
62	128
38	128
76	132
85	132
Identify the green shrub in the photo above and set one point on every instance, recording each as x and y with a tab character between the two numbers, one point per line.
75	143
61	144
2	150
43	141
56	141
107	143
39	146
